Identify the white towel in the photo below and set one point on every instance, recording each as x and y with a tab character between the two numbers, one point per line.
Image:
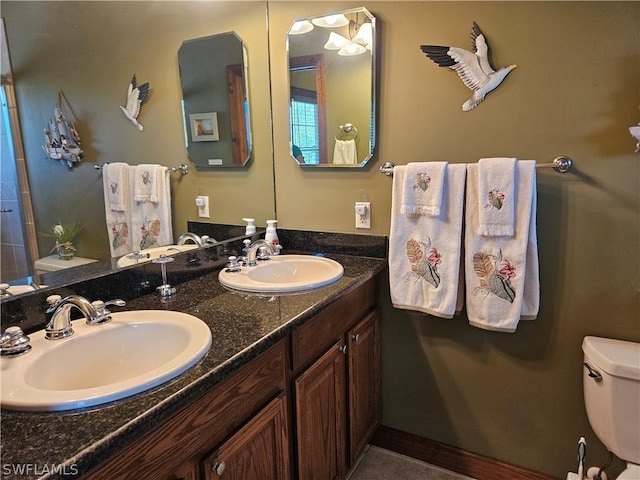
147	181
345	152
423	186
502	283
496	196
151	222
115	179
117	196
424	251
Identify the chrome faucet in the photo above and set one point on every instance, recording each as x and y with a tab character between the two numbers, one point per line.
197	239
60	324
252	251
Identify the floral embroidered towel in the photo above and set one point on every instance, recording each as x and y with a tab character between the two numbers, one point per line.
422	188
151	224
115	180
117	196
501	273
424	251
496	196
147	181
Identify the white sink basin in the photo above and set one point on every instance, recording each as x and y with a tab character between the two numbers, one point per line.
136	351
285	273
153	253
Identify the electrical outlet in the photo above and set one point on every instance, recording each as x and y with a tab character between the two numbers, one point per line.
202	202
363	214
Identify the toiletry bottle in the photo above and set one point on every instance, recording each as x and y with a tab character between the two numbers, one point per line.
251	226
271	236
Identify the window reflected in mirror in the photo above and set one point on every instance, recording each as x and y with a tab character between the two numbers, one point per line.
332	89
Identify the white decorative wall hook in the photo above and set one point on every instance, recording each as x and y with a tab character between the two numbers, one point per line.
135	96
474	69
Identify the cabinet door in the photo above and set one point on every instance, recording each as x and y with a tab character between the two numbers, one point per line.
320	409
364	382
259	450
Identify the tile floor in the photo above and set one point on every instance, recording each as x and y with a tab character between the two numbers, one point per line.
380	464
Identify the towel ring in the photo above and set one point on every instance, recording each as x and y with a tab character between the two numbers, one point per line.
348	128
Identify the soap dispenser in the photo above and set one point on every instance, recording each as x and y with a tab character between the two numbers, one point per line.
251	226
271	236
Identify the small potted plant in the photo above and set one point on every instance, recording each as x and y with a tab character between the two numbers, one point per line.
64	235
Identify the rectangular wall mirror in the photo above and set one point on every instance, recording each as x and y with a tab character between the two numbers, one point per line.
332	85
215	103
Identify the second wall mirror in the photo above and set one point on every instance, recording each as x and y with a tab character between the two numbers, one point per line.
215	101
332	84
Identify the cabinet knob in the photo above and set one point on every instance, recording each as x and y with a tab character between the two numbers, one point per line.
356	337
343	349
218	467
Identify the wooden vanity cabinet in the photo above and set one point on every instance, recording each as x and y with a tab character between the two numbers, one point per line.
336	365
247	409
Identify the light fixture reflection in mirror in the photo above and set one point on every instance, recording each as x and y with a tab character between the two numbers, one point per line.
213	75
332	73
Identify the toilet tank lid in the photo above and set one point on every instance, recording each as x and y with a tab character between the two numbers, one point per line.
616	357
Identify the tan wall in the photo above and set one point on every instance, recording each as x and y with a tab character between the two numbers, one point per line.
514	397
90	50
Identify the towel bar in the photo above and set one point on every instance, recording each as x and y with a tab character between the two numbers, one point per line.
561	164
183	168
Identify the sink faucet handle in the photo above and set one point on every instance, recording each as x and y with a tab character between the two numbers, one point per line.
104	315
233	266
14	342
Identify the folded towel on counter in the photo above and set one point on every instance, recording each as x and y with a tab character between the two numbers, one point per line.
147	181
345	152
117	202
424	251
151	221
496	196
422	189
115	180
501	272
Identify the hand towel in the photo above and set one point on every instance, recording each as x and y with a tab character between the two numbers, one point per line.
502	284
151	221
423	186
424	251
345	152
115	179
147	182
117	202
496	196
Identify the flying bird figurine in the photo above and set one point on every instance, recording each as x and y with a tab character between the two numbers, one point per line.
135	96
474	69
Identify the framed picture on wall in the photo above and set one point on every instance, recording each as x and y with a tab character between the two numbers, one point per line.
204	127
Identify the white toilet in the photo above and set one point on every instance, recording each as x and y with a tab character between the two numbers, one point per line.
611	382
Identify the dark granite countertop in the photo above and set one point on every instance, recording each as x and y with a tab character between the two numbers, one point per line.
242	327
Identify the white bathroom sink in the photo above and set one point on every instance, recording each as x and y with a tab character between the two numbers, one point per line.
284	273
136	351
150	254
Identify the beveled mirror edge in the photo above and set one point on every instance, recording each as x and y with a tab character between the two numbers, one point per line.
373	136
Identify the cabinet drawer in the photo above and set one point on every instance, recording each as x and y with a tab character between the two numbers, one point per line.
313	338
203	424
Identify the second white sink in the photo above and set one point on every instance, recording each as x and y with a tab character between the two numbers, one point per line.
284	273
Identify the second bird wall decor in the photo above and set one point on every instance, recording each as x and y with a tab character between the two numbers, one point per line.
473	68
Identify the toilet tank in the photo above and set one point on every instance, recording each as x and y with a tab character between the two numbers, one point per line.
613	402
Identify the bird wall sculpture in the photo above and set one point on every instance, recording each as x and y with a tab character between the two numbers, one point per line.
135	96
474	69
